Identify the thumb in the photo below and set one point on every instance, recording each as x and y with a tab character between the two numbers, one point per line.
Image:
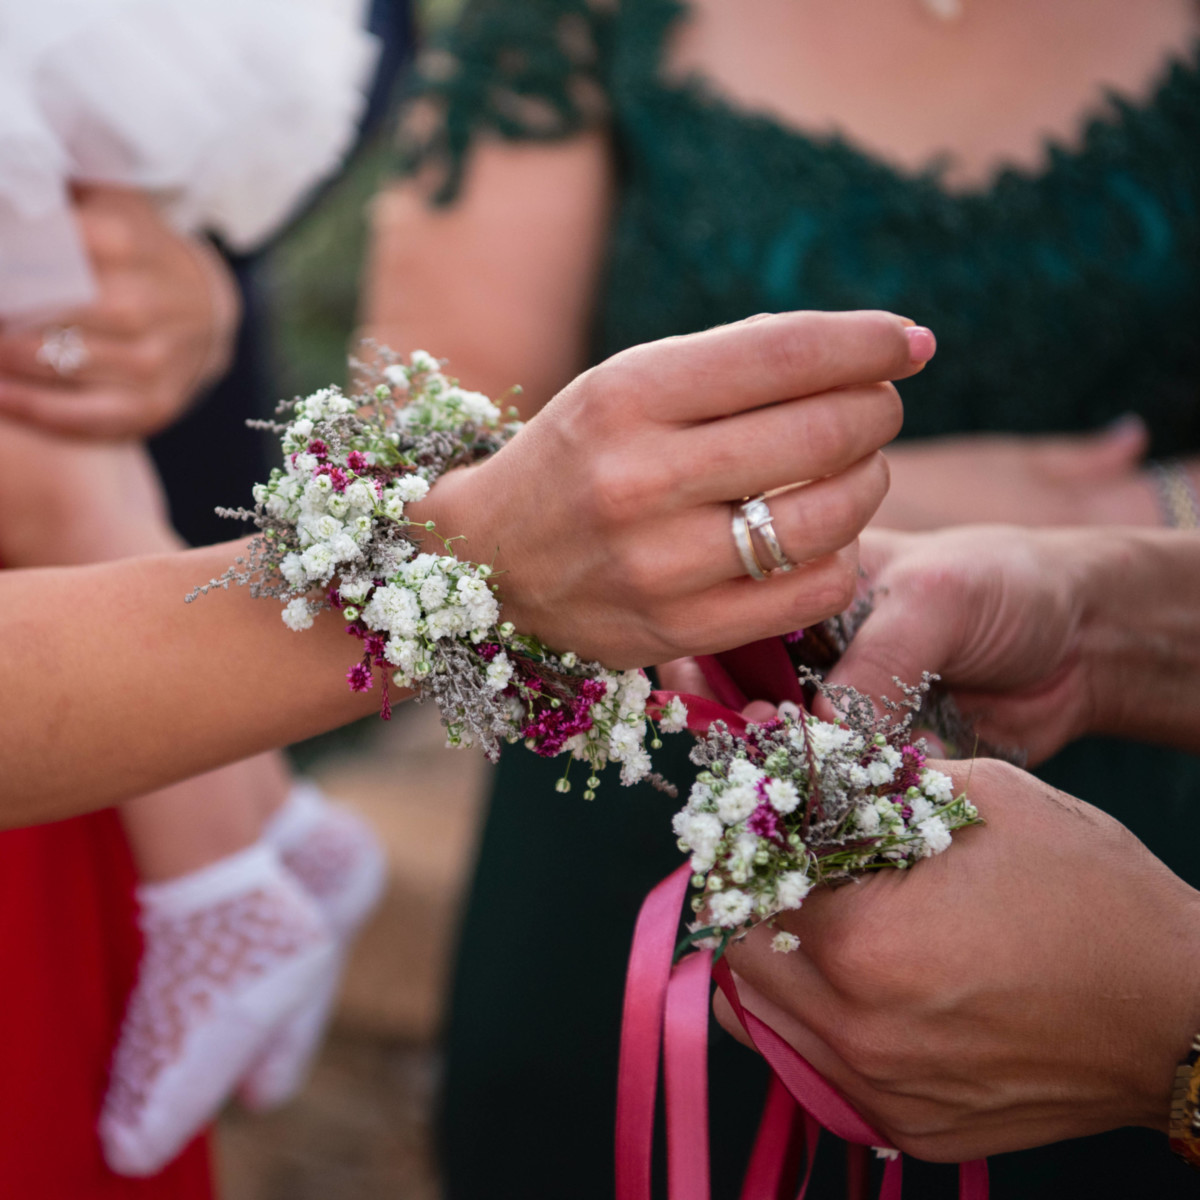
1102	454
899	640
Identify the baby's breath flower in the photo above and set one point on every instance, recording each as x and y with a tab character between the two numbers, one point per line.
297	615
730	907
785	943
799	802
674	716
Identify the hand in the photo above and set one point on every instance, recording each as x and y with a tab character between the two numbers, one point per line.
996	612
1091	478
1037	981
1041	635
162	327
65	501
609	514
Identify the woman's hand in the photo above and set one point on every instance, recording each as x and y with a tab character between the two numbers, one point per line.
609	515
161	328
1037	981
1087	479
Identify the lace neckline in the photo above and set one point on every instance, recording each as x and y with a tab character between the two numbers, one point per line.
1119	119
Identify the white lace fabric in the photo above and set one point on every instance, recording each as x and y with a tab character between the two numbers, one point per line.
335	855
230	953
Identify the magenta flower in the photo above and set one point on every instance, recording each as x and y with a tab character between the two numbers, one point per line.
764	821
356	460
359	677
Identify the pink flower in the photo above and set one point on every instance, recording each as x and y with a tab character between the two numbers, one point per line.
375	644
357	461
764	821
359	677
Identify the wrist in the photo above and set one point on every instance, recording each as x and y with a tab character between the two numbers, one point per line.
1172	1023
1139	641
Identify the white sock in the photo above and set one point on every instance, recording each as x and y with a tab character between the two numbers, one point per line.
336	857
231	950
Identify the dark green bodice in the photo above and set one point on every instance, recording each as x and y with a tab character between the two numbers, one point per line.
1061	299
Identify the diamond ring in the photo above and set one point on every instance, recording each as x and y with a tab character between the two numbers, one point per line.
758	520
63	350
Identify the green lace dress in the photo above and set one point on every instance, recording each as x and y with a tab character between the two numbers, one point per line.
1061	299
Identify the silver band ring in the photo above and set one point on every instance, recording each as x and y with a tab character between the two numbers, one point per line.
63	350
758	518
745	547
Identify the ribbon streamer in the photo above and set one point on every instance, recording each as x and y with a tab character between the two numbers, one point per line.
667	1011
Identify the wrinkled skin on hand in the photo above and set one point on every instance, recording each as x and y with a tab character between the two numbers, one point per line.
1037	981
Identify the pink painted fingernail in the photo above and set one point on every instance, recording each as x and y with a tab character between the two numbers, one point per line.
922	345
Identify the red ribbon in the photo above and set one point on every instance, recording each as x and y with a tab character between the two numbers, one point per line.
667	1011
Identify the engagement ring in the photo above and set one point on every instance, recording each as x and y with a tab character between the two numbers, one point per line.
754	517
63	350
758	519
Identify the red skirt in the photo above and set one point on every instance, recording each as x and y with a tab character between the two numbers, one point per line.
69	949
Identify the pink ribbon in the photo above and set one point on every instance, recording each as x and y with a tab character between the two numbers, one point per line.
667	1010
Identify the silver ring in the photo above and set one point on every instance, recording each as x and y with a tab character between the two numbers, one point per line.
758	520
63	350
745	547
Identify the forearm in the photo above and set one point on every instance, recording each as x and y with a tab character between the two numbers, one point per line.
1140	633
114	686
502	282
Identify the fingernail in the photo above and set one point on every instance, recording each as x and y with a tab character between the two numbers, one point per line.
922	345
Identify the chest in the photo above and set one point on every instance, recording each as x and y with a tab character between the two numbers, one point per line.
979	93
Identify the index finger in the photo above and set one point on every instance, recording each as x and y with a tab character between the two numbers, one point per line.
766	359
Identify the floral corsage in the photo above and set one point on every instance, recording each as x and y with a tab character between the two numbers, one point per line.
797	802
334	533
791	804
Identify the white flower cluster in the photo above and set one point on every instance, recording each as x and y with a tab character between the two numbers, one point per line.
335	530
803	802
432	598
617	727
441	404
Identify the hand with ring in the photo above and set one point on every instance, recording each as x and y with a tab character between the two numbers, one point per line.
634	561
127	365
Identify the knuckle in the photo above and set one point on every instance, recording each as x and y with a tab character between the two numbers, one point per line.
124	313
616	492
889	410
869	1048
920	1131
851	964
611	384
877	479
794	353
831	586
109	237
642	573
680	633
146	357
627	484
